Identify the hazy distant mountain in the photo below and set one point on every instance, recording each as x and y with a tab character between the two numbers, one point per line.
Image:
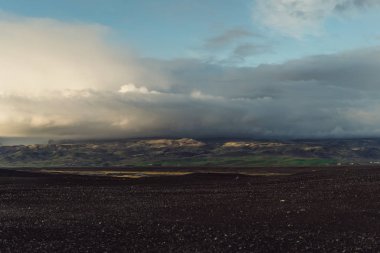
191	152
11	141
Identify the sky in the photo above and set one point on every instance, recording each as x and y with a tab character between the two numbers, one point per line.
181	68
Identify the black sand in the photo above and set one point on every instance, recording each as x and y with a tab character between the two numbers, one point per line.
333	210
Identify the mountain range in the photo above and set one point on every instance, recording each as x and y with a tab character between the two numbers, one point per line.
192	153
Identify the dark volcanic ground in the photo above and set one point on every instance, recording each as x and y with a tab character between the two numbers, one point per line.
331	210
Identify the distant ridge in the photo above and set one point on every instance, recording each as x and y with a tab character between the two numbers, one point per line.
179	152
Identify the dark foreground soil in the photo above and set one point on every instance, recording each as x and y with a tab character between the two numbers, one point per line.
332	210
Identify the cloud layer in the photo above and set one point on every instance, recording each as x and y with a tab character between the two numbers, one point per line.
65	80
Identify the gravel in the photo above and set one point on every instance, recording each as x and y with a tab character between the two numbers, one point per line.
331	210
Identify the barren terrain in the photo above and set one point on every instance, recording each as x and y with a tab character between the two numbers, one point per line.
312	210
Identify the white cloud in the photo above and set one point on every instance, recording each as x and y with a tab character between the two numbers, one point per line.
132	88
302	17
44	54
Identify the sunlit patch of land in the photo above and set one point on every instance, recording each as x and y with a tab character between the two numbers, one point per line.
119	174
151	173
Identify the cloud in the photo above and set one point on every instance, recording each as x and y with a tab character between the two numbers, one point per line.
43	54
132	88
227	37
319	96
348	5
233	46
298	17
245	50
68	81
